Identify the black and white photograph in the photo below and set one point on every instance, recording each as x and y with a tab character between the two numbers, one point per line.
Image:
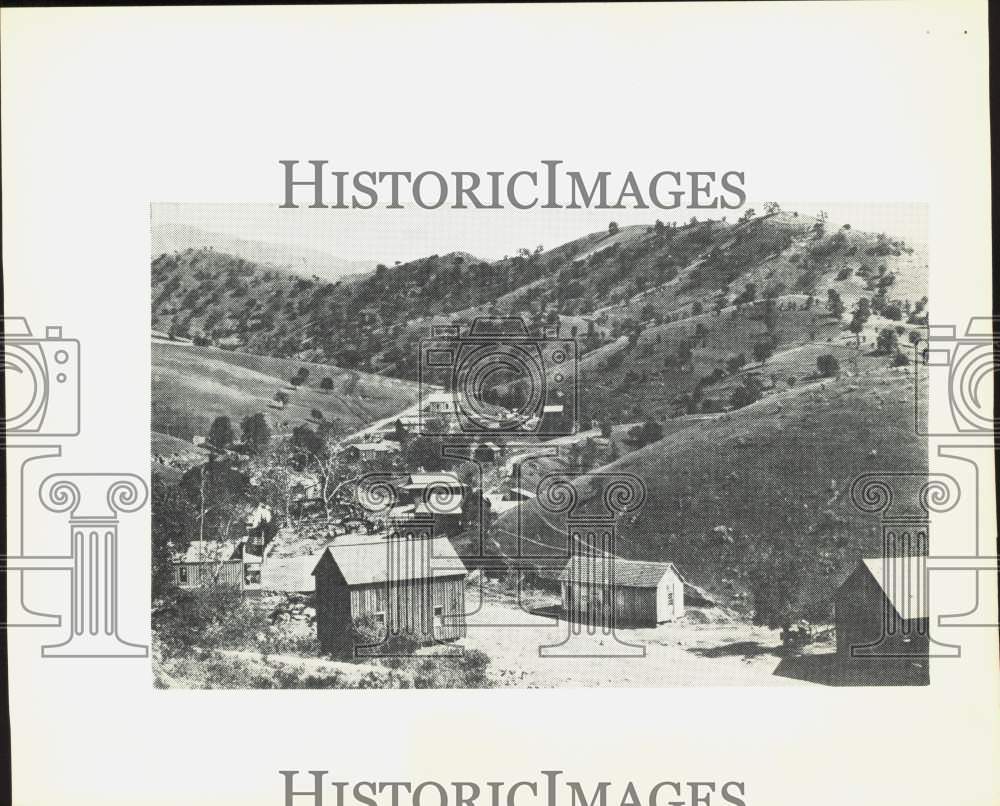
645	456
500	404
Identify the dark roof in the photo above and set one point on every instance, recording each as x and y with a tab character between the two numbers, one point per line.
364	560
902	581
591	570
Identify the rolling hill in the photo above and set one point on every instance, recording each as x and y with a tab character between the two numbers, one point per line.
192	385
302	261
734	340
780	467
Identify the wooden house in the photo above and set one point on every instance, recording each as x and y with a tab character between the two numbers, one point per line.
882	618
209	563
438	404
602	589
373	451
411	584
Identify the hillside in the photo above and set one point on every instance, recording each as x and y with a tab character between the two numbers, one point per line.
781	467
192	385
747	372
305	262
601	289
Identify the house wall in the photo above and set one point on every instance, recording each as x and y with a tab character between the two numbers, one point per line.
633	607
407	608
669	598
227	574
333	608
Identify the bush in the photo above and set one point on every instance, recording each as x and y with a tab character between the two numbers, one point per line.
827	365
467	670
887	341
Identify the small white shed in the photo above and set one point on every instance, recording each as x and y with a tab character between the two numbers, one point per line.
638	593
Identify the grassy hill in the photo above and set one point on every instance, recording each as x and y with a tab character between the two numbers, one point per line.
309	263
192	385
595	288
674	325
779	467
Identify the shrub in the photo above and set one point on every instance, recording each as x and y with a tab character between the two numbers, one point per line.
827	365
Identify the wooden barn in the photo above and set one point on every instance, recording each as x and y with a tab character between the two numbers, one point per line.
414	586
882	618
602	589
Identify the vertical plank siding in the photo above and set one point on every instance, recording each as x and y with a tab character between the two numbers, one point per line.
227	574
404	607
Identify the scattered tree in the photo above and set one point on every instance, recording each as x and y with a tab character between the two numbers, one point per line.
256	433
827	365
221	435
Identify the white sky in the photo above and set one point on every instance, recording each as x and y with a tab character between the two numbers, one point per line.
388	235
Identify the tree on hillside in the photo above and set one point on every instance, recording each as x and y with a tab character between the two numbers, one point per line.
218	493
326	384
221	435
827	365
400	433
171	529
685	353
834	304
613	228
762	350
750	392
770	315
256	433
775	574
649	432
888	341
275	481
307	444
747	296
863	309
424	452
862	313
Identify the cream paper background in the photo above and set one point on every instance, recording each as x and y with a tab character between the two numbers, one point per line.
106	111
